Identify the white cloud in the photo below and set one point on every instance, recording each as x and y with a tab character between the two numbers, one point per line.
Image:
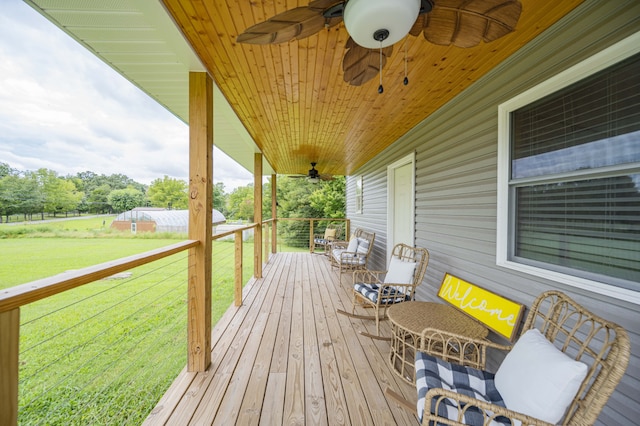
61	108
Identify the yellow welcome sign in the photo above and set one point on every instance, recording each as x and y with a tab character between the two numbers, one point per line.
499	314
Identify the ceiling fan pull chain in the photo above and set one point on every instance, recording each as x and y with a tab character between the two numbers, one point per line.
380	88
406	72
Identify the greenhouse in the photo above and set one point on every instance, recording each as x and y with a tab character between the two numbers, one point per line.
158	220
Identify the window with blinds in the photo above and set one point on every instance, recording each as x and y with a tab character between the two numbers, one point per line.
574	178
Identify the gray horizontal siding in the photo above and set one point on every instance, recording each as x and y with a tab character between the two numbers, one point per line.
456	179
374	212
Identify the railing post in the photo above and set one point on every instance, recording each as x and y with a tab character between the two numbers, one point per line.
266	244
9	347
311	244
238	269
274	213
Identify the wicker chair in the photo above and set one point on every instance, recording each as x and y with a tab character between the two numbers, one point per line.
381	289
352	255
332	233
601	348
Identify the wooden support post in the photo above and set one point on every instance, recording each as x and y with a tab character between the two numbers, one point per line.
312	246
9	349
238	269
200	218
274	214
267	244
257	215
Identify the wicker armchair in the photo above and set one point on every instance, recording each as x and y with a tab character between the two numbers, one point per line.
598	348
332	233
381	289
354	254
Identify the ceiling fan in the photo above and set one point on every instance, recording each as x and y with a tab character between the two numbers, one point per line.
313	175
375	25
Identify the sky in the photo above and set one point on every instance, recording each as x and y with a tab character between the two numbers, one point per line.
63	109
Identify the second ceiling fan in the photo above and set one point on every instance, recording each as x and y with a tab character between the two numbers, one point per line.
313	175
375	25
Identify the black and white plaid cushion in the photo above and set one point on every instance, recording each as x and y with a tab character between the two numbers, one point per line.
371	291
432	372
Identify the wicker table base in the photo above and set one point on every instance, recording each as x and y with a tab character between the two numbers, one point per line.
408	319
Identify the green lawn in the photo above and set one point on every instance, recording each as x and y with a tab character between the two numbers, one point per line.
29	259
104	353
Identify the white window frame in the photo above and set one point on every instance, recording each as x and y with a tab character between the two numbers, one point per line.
592	65
359	198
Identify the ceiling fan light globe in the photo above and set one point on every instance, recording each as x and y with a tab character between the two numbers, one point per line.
365	18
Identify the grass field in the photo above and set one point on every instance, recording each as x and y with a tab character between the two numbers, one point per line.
103	353
88	227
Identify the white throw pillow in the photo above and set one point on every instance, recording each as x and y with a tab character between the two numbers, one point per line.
363	246
400	272
538	379
353	245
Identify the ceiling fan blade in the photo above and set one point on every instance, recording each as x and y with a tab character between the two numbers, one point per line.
467	23
361	64
418	26
323	5
297	23
504	20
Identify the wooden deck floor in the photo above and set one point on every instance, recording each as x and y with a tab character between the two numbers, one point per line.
286	357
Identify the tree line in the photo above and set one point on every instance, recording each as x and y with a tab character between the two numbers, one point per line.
44	191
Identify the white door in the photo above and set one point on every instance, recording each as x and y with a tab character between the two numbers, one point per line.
401	196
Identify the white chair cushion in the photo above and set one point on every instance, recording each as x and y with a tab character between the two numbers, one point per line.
400	272
337	253
353	245
347	258
538	379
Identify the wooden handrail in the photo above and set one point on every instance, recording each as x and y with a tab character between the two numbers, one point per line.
24	294
233	231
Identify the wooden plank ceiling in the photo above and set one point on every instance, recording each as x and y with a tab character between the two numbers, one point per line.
293	101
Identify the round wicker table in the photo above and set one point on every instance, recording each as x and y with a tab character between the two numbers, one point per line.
408	319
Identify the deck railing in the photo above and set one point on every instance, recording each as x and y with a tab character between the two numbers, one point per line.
85	353
15	298
298	233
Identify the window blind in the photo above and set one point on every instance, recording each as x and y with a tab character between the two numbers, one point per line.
568	216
